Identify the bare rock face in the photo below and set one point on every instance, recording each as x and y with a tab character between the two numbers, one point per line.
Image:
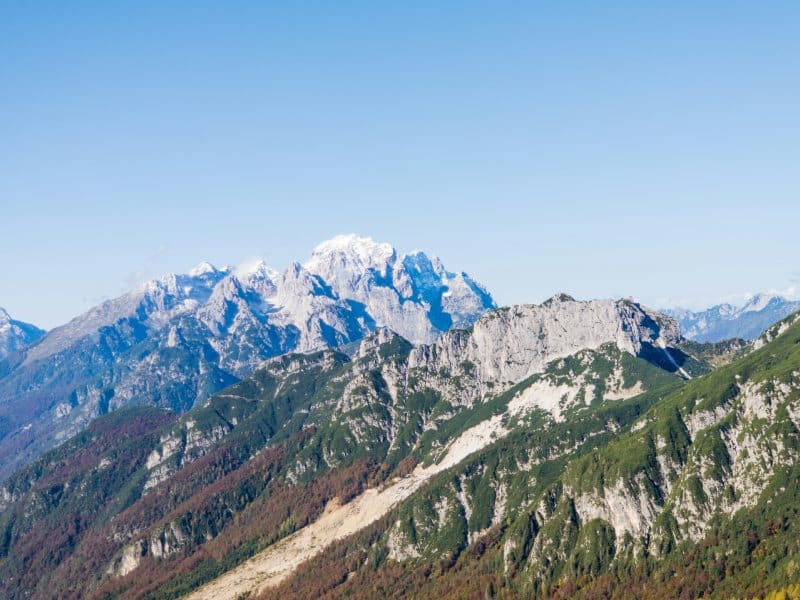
413	294
510	344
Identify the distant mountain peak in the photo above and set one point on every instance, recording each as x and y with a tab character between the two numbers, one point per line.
351	242
255	268
726	321
559	297
203	268
353	251
412	294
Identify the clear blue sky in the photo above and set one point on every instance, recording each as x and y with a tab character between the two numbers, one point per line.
601	148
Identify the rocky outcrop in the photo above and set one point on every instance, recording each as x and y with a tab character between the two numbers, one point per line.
510	344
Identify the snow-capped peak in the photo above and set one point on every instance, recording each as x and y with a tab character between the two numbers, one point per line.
412	294
204	268
758	302
254	268
353	251
4	316
350	285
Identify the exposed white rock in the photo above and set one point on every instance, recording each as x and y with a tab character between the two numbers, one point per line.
511	344
399	547
129	560
626	511
441	507
699	420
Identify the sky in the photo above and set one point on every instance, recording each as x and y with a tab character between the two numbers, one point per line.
605	149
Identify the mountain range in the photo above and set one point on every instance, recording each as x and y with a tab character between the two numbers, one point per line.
373	412
369	424
568	449
174	341
726	321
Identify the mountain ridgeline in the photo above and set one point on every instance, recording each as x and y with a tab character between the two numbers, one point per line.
175	341
419	451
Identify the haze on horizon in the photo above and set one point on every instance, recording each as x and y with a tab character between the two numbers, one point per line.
540	148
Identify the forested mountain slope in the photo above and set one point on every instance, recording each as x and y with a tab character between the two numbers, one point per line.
697	494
